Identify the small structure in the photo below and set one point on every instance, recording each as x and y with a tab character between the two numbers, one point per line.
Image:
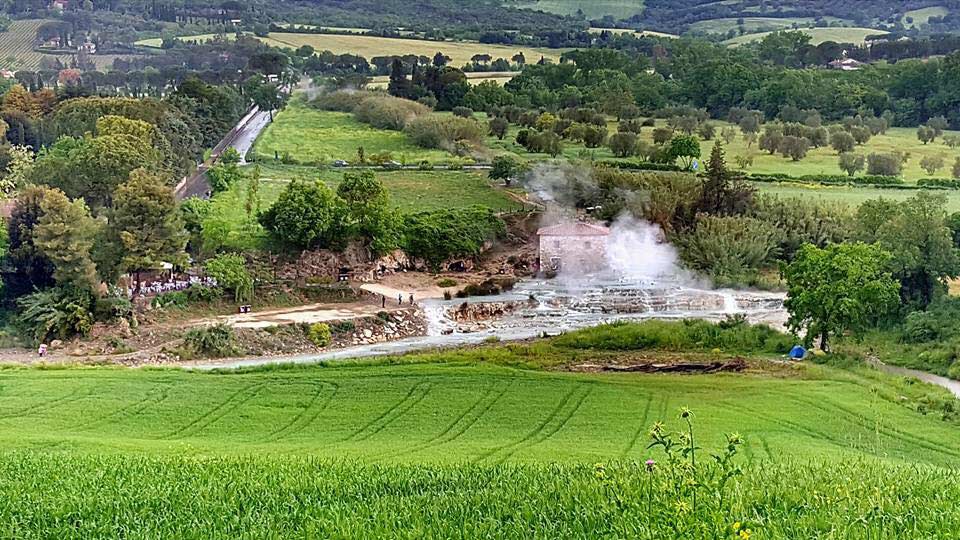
578	247
846	64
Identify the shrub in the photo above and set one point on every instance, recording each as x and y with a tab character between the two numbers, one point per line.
728	249
435	131
342	327
931	164
731	336
447	282
202	293
388	112
217	341
623	144
57	312
842	142
175	299
949	183
439	235
462	112
320	334
342	100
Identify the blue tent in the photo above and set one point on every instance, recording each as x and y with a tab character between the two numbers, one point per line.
797	352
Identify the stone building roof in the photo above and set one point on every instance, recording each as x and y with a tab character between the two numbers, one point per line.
574	229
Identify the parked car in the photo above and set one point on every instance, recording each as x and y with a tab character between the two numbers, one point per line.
392	165
340	163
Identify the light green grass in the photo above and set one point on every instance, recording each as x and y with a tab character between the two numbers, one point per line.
824	160
410	191
466	444
460	52
618	9
618	31
313	136
455	413
750	24
853	196
922	15
818	35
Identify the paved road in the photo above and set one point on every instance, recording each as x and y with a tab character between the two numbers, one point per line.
241	138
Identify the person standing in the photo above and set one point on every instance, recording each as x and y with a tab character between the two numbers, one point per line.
383	300
411	299
42	350
400	299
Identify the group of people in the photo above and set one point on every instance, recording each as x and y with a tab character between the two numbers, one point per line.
160	287
383	299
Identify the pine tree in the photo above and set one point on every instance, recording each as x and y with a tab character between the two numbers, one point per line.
65	233
145	224
399	85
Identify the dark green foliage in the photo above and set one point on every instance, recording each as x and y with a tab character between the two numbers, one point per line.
26	268
368	212
217	341
306	215
56	313
841	288
444	234
728	249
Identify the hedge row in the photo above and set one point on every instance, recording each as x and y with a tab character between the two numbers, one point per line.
640	165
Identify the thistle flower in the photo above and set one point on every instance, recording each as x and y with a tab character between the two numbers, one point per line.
651	464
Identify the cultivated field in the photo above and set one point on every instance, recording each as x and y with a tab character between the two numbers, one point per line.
460	52
618	9
16	45
819	35
410	191
473	77
454	445
618	31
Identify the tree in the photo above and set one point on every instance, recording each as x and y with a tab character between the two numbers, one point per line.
686	148
230	271
498	127
252	204
706	131
926	134
838	289
915	232
662	135
860	134
506	168
750	123
594	136
884	164
399	85
842	142
26	266
440	59
931	164
719	194
794	148
368	212
771	140
306	215
223	175
938	124
623	144
145	225
65	233
851	163
17	170
268	97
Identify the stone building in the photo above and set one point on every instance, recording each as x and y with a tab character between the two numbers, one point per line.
573	247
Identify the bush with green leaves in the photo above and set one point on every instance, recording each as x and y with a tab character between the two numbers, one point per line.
230	271
320	335
217	341
439	235
56	313
735	335
388	112
306	215
436	131
729	249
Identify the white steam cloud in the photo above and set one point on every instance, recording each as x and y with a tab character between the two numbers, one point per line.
636	250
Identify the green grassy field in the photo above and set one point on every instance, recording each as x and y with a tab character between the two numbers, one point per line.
922	15
410	191
618	9
313	136
854	196
471	443
460	52
818	35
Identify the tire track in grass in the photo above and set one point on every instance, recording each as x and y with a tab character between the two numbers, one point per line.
557	418
788	425
155	396
888	430
309	413
393	413
641	427
460	425
74	395
218	411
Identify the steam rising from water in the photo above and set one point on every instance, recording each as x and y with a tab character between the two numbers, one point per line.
637	251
